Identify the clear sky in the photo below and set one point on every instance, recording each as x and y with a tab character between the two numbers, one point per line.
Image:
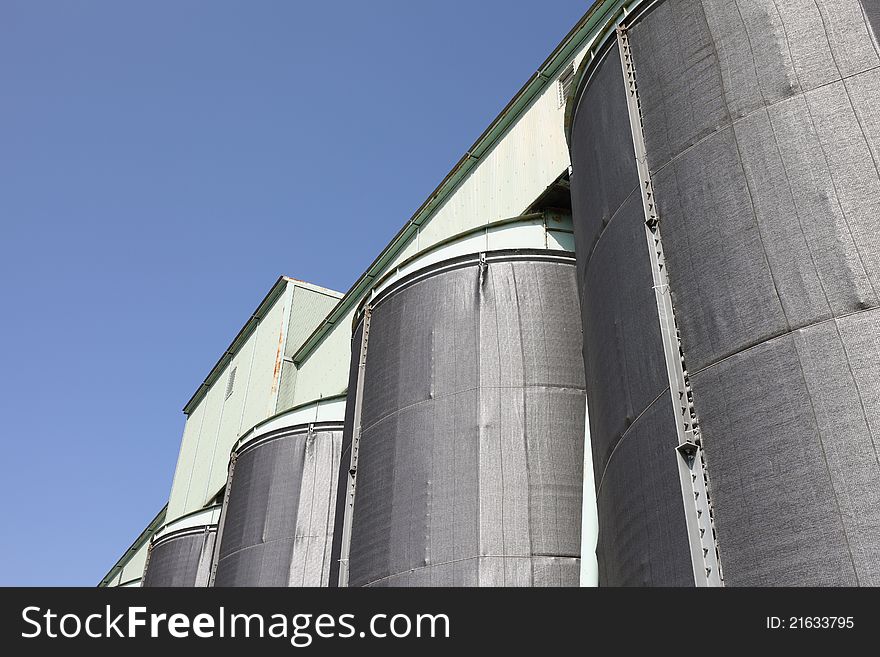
161	164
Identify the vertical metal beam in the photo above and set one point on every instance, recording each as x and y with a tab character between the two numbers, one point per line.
215	557
691	464
147	561
205	565
351	489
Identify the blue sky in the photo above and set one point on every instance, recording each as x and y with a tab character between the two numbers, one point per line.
161	164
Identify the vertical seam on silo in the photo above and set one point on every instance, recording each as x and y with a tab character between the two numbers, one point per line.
551	470
410	526
624	436
214	448
797	213
825	458
861	126
453	439
432	474
739	156
338	448
147	562
751	53
479	396
843	214
525	430
693	477
828	39
858	391
788	47
298	533
766	109
247	386
497	426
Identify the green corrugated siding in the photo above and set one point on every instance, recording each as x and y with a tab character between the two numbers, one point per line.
287	387
308	310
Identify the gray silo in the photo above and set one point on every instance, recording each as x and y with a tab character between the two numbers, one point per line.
180	554
467	422
726	200
277	521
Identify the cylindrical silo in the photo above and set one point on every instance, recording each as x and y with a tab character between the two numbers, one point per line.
277	522
466	404
726	200
180	553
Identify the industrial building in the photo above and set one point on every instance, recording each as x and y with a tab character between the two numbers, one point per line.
630	339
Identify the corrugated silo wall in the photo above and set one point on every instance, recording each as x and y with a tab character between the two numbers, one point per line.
470	453
761	126
277	522
181	558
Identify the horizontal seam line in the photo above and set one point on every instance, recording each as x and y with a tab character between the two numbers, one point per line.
608	225
719	128
256	545
479	556
458	392
763	108
779	336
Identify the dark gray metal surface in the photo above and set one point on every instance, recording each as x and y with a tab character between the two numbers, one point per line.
471	453
762	127
763	227
769	196
278	520
795	481
603	147
642	537
872	12
181	558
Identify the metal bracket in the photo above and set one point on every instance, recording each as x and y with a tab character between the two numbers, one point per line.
687	451
146	561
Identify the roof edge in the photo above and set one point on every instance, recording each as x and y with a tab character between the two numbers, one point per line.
268	301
